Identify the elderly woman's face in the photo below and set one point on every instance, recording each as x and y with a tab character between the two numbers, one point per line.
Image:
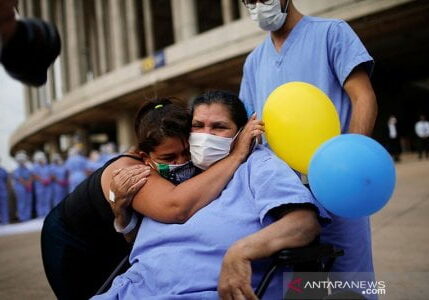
213	119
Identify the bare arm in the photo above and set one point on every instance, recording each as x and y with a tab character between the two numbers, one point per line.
168	203
165	202
130	180
295	229
364	103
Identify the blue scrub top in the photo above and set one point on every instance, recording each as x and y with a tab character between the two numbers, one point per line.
92	166
58	171
21	172
319	51
43	171
183	261
76	166
3	180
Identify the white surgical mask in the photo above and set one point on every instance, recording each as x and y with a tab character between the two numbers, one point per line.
269	16
206	149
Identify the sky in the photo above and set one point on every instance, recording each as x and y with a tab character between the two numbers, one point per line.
11	114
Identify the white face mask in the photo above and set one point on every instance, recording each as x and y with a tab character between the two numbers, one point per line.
206	149
269	16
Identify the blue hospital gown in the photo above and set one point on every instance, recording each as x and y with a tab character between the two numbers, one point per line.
183	261
322	52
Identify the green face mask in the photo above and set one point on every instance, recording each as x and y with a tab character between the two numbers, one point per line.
176	173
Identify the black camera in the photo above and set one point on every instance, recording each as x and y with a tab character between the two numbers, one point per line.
32	49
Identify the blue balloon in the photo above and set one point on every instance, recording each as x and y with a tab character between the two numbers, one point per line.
352	175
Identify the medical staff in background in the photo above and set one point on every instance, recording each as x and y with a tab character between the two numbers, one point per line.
94	162
42	184
23	187
60	183
4	199
76	167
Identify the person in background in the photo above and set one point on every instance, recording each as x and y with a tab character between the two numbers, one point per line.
422	132
94	162
27	46
60	184
4	198
328	54
108	151
42	184
23	187
76	167
394	142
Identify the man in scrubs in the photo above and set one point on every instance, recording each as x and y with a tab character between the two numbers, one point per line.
42	184
328	54
60	184
76	167
23	187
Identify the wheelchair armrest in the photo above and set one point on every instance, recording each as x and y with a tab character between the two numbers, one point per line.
311	253
312	258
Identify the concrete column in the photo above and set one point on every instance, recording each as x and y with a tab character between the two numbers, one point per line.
52	146
22	8
227	11
244	13
60	65
131	22
34	96
184	19
72	32
50	86
83	31
43	98
148	27
93	48
33	93
125	131
116	32
101	36
27	103
29	8
81	136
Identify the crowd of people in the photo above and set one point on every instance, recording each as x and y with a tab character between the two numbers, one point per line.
40	184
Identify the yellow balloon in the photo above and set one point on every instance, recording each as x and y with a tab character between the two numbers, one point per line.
298	118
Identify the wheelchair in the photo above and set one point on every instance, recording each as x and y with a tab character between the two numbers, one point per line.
311	262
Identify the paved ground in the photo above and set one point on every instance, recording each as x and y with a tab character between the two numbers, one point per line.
401	234
400	242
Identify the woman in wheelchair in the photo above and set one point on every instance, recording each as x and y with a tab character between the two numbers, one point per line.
80	245
222	249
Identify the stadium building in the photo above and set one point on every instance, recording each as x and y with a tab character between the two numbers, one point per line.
117	53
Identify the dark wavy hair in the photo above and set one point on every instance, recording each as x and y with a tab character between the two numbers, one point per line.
158	119
228	99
